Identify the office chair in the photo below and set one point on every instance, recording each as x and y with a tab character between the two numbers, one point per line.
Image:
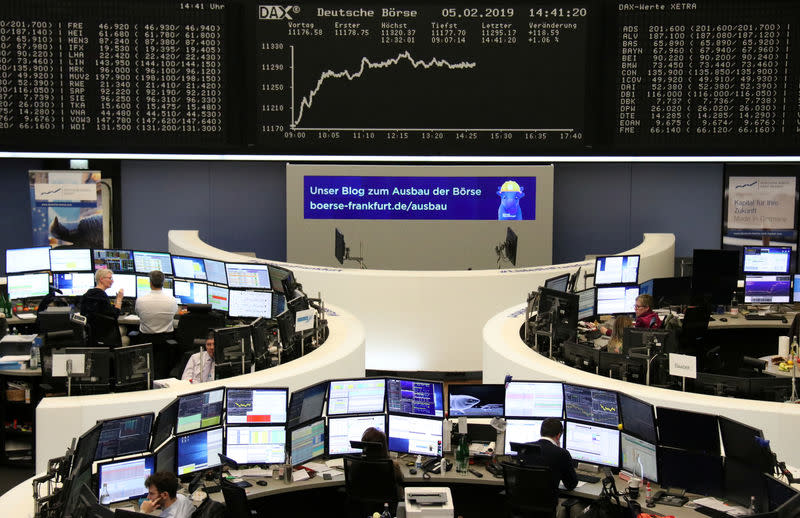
235	500
530	491
369	483
692	337
103	330
196	324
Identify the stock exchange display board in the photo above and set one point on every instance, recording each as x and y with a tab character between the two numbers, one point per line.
582	77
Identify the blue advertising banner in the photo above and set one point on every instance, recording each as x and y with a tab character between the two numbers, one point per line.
416	197
66	208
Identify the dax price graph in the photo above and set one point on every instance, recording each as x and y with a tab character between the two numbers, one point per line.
421	79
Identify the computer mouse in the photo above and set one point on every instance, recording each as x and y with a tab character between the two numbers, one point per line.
262	482
784	320
723	319
413	471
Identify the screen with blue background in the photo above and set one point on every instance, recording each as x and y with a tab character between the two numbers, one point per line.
199	451
412	197
415	397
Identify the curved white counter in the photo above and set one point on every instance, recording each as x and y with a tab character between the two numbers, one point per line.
505	353
59	419
429	320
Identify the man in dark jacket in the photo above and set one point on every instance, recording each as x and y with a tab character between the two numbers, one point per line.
553	455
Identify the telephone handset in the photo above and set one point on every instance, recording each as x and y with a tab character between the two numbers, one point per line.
432	466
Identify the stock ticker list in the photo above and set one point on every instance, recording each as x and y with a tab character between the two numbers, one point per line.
708	74
421	78
140	70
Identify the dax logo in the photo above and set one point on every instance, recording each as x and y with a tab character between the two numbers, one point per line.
277	12
303	319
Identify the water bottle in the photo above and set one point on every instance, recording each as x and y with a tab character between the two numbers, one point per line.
418	463
462	456
36	353
105	497
734	305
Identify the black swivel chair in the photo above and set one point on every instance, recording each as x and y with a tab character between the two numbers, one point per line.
235	500
103	330
530	491
196	324
369	483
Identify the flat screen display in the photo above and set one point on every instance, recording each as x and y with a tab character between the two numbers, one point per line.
189	267
118	261
360	396
415	435
146	262
586	304
591	404
190	292
199	410
672	426
218	298
73	284
198	451
256	444
522	431
250	303
534	399
476	400
166	456
617	269
256	405
124	479
616	300
415	397
767	259
767	289
28	285
70	260
639	457
704	478
247	275
215	271
638	418
165	423
342	430
593	444
20	260
124	436
558	283
143	286
124	282
306	404
307	442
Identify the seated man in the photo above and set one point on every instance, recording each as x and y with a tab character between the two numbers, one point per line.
156	312
200	367
163	498
553	455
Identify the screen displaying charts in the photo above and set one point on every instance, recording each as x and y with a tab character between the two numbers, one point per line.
146	262
70	260
125	282
200	410
250	303
118	261
250	405
218	298
190	292
591	404
215	271
415	397
767	289
124	436
342	430
198	451
765	259
28	285
248	275
356	396
534	399
306	404
522	431
27	259
189	267
307	442
639	457
73	284
125	479
256	444
415	435
590	443
143	286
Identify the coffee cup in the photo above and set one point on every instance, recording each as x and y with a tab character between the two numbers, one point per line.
633	487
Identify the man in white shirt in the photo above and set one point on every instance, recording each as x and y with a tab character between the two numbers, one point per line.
156	312
200	367
163	499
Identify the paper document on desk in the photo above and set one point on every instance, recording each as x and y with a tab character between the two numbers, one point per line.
299	475
719	505
15	358
26	316
564	488
335	463
18	338
250	472
319	467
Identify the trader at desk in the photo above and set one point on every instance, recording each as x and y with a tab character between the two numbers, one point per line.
645	316
96	305
163	498
156	311
553	455
200	367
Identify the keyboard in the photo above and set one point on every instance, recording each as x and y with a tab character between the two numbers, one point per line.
585	477
755	316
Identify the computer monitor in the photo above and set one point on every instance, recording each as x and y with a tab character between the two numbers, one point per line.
779	494
746	444
28	285
586	304
73	284
234	351
639	457
166	456
146	262
215	271
558	310
591	405
250	303
124	282
581	356
118	261
124	436
673	424
307	442
191	292
616	269
306	404
218	298
296	304
592	443
20	260
256	405
558	283
85	449
659	340
668	290
415	435
616	300
342	430
256	444
286	331
199	450
767	259
75	488
338	246
695	472
771	388
414	397
70	260
646	288
143	285
165	424
742	481
476	400
796	288
135	367
534	399
124	479
511	246
523	431
356	396
199	410
722	385
96	370
715	274
189	267
246	275
638	418
767	289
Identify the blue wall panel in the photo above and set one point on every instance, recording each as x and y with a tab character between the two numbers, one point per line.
15	228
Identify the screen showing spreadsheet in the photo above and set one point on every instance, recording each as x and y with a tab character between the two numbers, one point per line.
342	430
124	480
358	396
256	444
594	444
307	442
70	260
534	399
415	435
146	262
248	275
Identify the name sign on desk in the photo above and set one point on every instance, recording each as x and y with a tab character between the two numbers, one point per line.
683	365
